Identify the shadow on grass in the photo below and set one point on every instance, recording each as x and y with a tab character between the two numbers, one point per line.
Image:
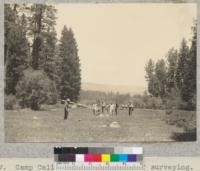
189	135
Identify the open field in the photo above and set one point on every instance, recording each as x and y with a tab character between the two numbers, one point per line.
82	126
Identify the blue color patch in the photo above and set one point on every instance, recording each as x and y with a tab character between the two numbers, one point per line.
132	158
123	157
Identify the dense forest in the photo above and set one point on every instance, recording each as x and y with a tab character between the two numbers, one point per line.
39	69
174	80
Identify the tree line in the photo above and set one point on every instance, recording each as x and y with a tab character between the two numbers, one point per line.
173	79
143	101
39	68
90	97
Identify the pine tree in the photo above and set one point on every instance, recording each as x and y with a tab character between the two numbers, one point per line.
151	78
190	80
16	48
70	77
161	73
172	57
182	69
182	64
41	26
49	53
149	68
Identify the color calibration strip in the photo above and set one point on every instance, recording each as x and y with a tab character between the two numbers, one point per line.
94	154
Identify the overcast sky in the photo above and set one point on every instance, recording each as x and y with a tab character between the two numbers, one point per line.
116	40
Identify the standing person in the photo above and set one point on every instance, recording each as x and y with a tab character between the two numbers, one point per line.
112	109
66	109
116	108
130	108
94	108
107	108
103	106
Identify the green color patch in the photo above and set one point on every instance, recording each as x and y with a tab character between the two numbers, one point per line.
114	158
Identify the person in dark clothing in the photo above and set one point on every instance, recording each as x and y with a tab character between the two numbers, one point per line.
66	109
103	106
116	108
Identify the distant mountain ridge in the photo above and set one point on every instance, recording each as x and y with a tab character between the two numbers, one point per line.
122	89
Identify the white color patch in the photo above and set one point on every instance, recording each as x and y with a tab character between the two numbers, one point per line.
129	150
79	158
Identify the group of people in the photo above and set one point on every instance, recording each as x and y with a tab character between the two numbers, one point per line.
112	108
100	107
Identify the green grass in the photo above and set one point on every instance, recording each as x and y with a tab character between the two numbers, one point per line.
82	126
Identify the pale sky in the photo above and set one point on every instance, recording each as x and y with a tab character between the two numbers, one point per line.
116	40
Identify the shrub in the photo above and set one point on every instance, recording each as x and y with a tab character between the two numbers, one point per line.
138	102
35	89
181	118
173	100
9	102
154	103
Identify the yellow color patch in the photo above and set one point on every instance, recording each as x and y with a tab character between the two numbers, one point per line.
105	157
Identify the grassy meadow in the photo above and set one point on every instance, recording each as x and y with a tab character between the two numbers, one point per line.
48	125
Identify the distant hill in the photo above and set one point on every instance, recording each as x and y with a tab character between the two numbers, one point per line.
113	88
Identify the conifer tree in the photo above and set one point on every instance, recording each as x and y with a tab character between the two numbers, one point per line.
41	29
182	70
151	78
70	78
190	78
16	48
172	57
160	74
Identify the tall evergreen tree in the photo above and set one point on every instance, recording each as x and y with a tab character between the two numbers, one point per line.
70	84
182	64
190	78
172	57
151	78
41	26
161	73
182	69
149	68
49	53
16	48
